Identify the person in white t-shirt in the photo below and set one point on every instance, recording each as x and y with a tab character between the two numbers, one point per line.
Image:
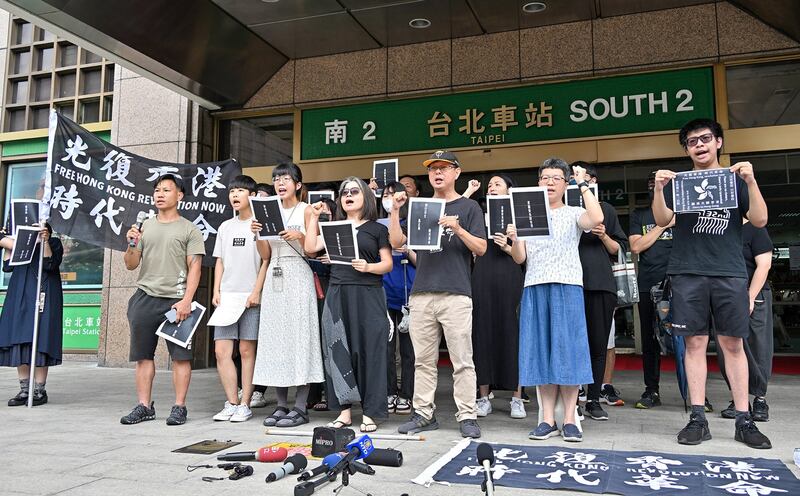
238	278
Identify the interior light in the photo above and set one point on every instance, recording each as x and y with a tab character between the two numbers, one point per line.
419	23
533	7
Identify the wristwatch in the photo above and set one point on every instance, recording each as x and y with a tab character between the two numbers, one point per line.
583	183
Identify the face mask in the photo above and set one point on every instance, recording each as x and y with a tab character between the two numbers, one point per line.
387	204
324	217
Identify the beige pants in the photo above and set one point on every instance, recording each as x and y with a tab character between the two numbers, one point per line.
432	314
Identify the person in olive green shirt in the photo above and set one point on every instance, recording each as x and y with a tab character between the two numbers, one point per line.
169	250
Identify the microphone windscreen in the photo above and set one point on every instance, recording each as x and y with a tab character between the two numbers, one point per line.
298	461
141	217
385	458
272	454
332	459
485	453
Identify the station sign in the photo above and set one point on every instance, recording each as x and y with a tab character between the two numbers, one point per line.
638	103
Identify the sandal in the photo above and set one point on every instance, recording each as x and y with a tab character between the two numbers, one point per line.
338	424
278	414
368	427
293	419
320	406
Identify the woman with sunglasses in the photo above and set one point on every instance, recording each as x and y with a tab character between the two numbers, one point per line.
355	310
288	351
553	343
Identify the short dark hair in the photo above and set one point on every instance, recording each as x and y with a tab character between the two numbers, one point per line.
369	211
416	181
395	187
243	182
555	163
591	169
505	177
266	188
175	178
697	124
293	171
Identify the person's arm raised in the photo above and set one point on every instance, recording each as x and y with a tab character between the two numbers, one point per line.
396	237
661	213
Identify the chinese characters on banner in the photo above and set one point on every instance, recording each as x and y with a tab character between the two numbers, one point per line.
618	472
94	191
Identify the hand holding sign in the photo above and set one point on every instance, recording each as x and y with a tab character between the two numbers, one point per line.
663	177
745	171
450	221
511	231
360	265
183	309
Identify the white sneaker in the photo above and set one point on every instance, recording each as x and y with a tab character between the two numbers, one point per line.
518	409
258	400
484	406
226	412
242	413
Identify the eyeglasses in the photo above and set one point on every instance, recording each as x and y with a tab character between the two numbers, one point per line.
704	138
350	192
282	179
555	179
441	169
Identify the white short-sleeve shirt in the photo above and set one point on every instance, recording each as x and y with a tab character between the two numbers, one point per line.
556	260
236	246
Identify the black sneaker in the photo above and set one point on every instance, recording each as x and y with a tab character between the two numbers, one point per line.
760	410
648	400
708	406
140	413
695	432
729	412
595	411
39	398
470	428
610	396
748	433
19	400
177	416
524	396
418	423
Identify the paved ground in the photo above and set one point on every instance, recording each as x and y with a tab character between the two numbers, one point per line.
76	446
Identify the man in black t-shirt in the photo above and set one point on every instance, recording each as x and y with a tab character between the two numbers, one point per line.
652	243
709	279
759	346
441	298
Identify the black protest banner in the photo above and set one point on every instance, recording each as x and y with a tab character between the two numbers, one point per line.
94	191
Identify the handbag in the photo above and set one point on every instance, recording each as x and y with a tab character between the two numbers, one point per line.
625	279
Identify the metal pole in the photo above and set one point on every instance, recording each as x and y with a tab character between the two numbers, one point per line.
386	437
37	310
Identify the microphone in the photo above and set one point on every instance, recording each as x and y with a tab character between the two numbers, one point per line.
140	218
327	463
262	455
294	464
356	450
385	458
486	458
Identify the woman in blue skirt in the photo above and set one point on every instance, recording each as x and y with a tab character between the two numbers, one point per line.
553	345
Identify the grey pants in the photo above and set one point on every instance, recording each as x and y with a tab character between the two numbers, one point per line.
758	346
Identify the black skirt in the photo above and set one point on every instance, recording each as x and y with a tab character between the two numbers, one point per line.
360	311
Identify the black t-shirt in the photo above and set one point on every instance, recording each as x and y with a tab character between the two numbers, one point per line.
372	236
448	270
654	260
755	241
709	243
595	259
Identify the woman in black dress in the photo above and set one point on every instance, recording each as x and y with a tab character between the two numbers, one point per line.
16	321
496	291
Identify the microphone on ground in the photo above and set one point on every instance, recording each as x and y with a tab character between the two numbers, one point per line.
267	455
293	465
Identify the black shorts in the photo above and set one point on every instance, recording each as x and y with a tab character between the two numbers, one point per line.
696	300
145	314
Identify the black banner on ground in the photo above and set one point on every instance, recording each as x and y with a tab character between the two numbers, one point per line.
94	191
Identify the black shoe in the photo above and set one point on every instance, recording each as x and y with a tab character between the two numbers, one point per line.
708	407
729	412
760	410
418	423
748	433
695	432
177	416
470	428
39	398
595	411
19	400
525	397
140	413
648	400
610	396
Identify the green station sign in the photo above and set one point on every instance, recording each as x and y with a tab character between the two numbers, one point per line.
81	327
639	103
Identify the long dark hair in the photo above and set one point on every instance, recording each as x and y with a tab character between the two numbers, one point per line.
369	210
